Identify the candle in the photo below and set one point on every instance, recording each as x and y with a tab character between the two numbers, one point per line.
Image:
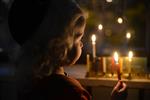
130	56
121	64
94	45
104	64
88	62
116	58
112	65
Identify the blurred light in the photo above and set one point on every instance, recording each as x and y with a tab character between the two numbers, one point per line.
108	0
100	26
120	20
130	55
128	35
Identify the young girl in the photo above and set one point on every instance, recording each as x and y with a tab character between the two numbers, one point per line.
50	33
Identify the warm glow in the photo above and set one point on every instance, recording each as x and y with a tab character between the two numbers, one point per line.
130	55
116	57
128	35
93	38
120	20
108	0
100	26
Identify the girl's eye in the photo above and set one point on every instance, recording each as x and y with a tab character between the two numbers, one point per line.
77	35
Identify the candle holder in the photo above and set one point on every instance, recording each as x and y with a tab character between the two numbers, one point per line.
101	66
94	67
129	76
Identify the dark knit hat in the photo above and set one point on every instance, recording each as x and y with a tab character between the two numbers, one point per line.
26	16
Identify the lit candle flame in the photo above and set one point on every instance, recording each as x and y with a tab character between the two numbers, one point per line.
93	38
116	57
130	55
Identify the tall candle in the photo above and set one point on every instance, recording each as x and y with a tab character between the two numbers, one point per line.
130	55
112	65
116	58
104	64
94	45
121	64
118	71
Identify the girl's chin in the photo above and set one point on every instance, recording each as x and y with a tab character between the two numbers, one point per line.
74	61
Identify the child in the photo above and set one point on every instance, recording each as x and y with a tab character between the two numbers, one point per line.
50	33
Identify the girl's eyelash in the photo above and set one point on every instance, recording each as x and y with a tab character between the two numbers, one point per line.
78	34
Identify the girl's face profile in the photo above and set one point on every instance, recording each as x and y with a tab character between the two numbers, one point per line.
78	43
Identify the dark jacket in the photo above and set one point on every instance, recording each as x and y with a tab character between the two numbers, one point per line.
56	87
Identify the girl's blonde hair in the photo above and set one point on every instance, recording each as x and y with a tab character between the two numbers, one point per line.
48	30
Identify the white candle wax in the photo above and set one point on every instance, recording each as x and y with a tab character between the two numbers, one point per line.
94	45
88	62
104	64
